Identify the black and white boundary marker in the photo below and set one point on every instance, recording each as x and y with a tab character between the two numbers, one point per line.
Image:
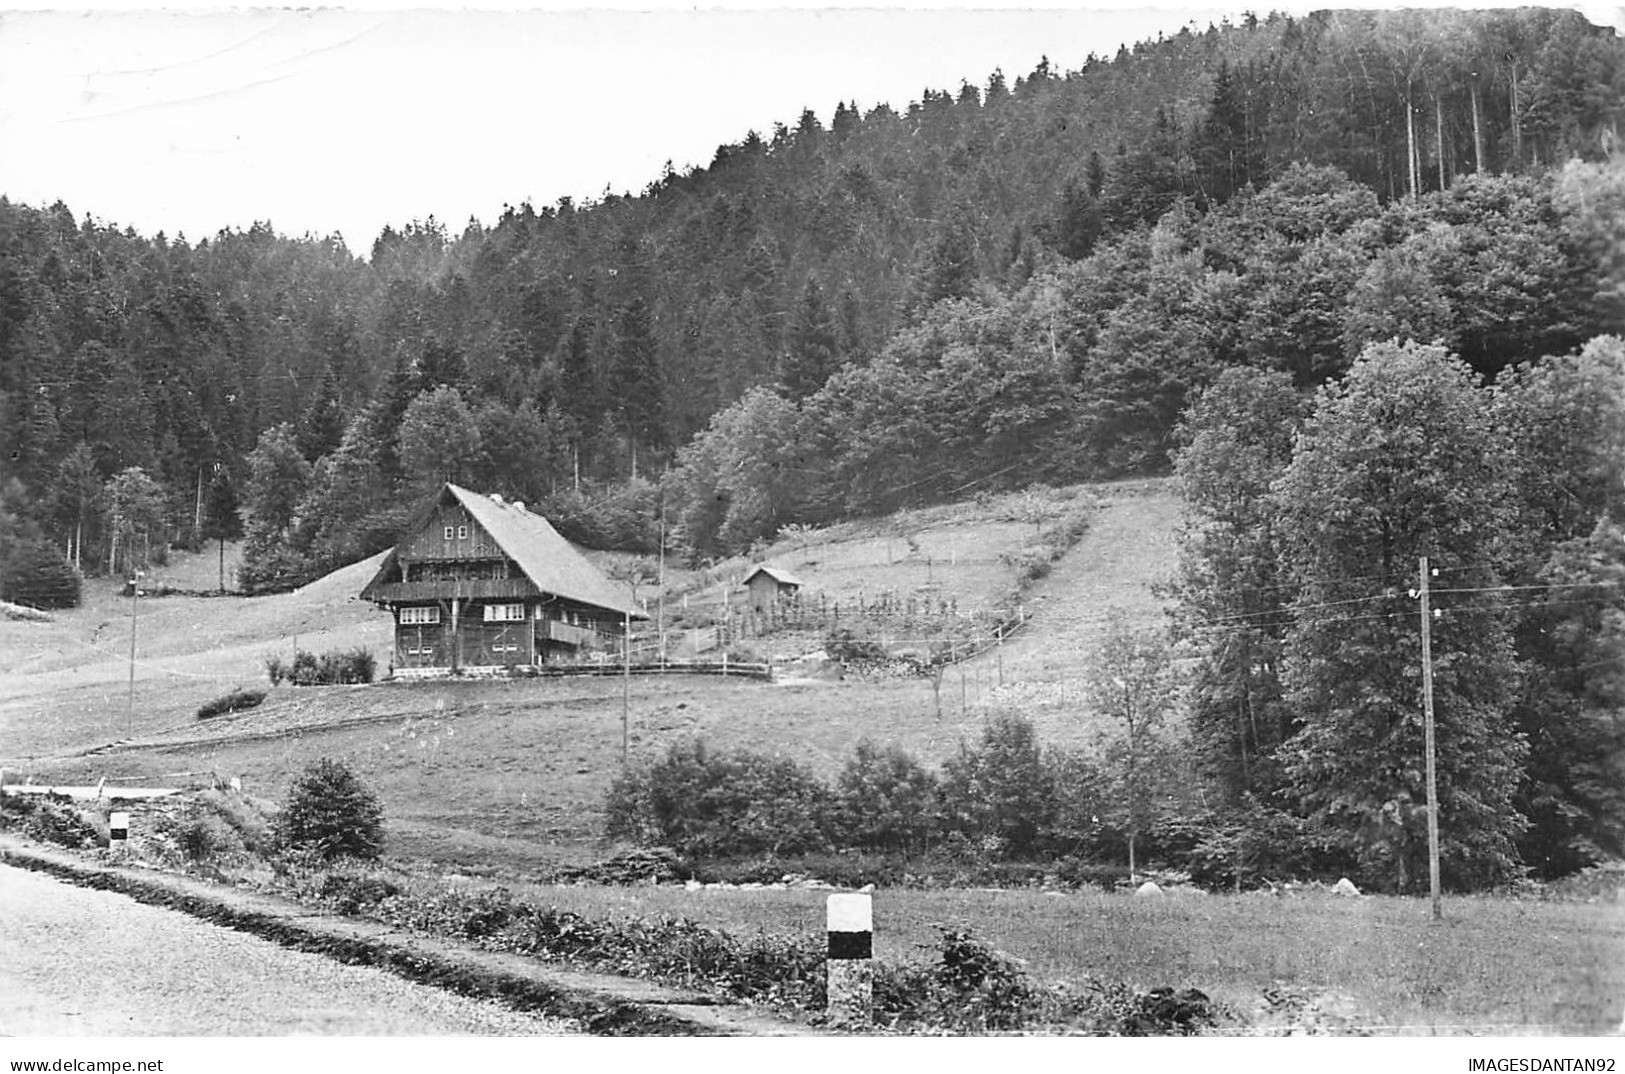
118	829
850	986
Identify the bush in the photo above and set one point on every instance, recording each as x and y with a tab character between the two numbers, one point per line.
269	567
330	669
36	575
702	803
49	818
972	988
885	800
331	814
622	518
202	837
1255	844
999	794
355	892
844	647
236	701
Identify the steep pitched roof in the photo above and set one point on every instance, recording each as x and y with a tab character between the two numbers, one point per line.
778	574
548	560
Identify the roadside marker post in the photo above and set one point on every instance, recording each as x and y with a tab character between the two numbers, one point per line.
850	985
118	830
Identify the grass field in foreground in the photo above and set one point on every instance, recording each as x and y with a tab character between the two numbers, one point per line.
1492	966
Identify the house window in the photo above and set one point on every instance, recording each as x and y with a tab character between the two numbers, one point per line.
450	533
419	615
462	533
504	613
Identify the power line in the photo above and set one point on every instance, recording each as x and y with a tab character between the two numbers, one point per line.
1516	588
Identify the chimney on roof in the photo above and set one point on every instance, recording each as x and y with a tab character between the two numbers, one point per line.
496	498
520	506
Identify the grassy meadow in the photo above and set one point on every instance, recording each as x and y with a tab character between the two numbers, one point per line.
506	779
1371	964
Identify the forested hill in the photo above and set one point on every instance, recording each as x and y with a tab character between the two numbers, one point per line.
1011	280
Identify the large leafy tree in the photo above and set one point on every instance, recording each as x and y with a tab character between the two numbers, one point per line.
745	476
136	509
279	479
439	439
1563	424
1236	442
1399	461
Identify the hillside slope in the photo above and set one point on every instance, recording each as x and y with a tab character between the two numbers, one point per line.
1109	574
513	774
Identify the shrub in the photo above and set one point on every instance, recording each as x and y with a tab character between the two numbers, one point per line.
845	647
236	701
356	893
329	669
704	803
971	988
202	837
621	518
49	818
273	568
885	800
999	794
1254	844
634	867
331	814
36	575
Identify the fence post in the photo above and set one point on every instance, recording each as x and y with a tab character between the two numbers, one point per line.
850	985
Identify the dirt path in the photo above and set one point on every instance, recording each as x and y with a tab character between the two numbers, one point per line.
1129	548
79	962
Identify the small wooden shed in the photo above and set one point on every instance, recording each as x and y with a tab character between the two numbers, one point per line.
768	585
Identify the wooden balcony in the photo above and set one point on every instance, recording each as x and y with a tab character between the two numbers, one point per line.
569	635
465	589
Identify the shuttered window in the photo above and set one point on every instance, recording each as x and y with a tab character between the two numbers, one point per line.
417	616
504	613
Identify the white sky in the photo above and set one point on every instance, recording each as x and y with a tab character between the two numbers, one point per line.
197	118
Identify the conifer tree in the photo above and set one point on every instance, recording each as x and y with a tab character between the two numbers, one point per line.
222	519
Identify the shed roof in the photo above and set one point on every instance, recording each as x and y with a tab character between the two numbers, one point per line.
551	563
778	574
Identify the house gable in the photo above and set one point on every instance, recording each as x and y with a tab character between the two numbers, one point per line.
463	544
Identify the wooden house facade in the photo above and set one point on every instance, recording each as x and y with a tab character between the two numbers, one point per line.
477	582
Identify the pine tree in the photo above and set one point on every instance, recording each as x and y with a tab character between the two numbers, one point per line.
811	354
321	426
950	267
222	519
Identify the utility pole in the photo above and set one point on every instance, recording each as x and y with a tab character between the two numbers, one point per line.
135	597
660	582
626	680
1427	738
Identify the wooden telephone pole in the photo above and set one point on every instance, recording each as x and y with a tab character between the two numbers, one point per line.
1427	739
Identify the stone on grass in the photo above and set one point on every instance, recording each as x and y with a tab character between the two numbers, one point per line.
1345	886
1147	889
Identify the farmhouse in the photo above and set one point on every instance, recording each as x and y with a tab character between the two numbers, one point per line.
480	583
768	584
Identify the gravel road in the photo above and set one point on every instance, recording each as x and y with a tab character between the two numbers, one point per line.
80	962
